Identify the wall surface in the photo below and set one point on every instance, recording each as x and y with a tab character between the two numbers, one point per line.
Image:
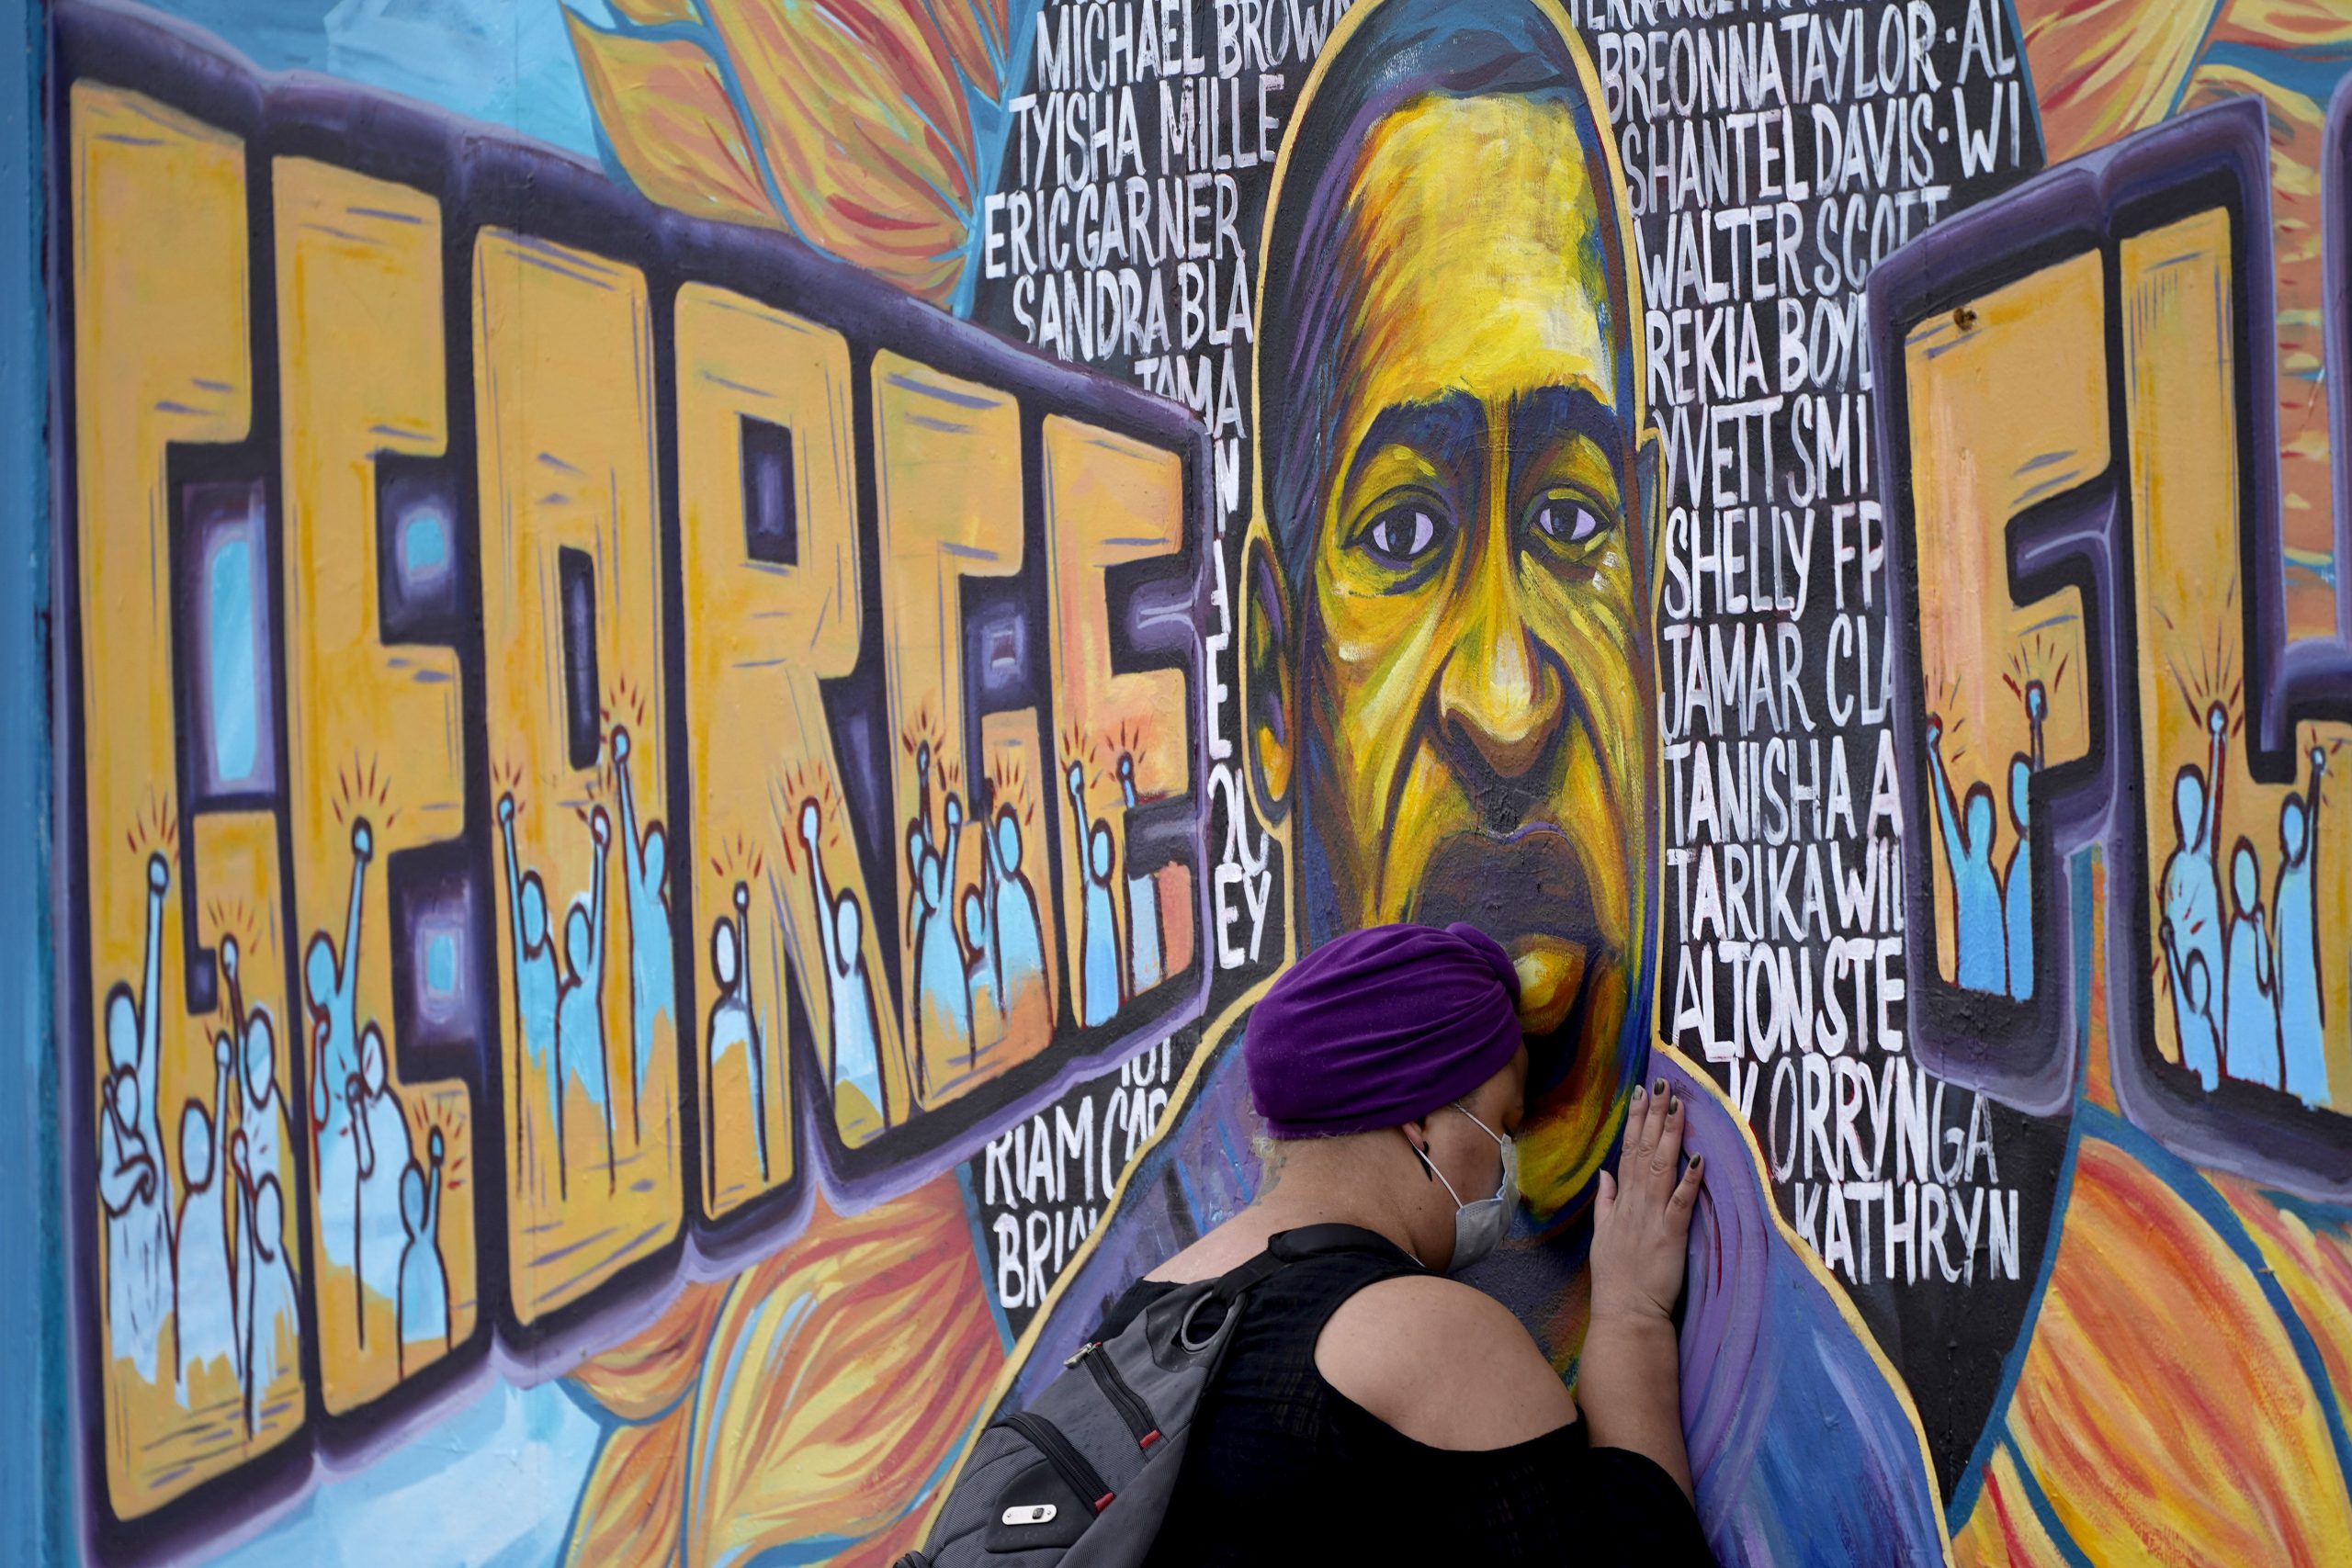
677	666
36	1477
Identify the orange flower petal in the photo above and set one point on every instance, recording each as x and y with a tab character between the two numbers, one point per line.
866	129
653	13
795	1423
2002	1527
2157	1355
644	1376
802	1428
2106	68
2313	1267
2284	24
975	35
2298	138
665	110
633	1503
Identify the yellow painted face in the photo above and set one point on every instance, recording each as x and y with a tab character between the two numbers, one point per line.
1472	667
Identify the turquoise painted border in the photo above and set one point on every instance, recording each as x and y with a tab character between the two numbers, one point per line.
2038	1502
983	1254
36	1469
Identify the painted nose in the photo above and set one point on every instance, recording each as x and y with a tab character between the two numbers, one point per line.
1499	699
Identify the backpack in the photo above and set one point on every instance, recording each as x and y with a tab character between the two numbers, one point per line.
1085	1474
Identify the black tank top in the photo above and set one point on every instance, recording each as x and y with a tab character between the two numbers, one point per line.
1285	1469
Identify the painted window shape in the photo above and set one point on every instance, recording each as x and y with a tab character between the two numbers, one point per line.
418	548
577	575
230	603
771	520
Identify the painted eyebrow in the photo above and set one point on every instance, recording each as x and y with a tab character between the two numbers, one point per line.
1443	430
1542	418
1449	430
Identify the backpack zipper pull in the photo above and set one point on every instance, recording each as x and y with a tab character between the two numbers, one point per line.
1082	1352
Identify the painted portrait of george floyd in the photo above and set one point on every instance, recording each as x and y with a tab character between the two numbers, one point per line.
1449	698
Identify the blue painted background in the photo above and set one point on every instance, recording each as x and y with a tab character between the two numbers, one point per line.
33	1486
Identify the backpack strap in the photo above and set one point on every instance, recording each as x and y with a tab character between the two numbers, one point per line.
1314	1241
1287	1247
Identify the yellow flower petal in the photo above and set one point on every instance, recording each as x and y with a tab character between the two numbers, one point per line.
633	1505
783	1414
641	1378
2106	68
2284	24
2298	141
802	1426
866	129
2156	1355
653	13
975	33
665	111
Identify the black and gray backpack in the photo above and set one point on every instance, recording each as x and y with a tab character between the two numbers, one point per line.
1085	1474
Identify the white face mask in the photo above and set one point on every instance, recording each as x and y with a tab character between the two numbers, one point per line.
1479	1225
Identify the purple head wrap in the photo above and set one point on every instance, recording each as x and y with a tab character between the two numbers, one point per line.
1378	1027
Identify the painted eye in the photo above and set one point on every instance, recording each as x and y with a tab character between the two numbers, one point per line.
1403	535
1566	521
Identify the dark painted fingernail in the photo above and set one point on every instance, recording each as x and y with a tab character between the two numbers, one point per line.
1674	1105
1658	1087
1638	1094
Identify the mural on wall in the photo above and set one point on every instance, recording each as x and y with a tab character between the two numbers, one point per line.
664	836
406	617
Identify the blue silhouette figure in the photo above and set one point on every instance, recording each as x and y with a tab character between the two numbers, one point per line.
1103	971
261	1107
261	1128
425	1280
331	988
1017	945
332	982
255	1152
734	1026
134	1187
580	1007
2017	887
345	1161
2302	1010
652	988
849	994
919	859
1142	902
536	984
943	1000
2192	995
981	969
1977	934
266	1281
383	1153
204	1304
2016	884
2191	883
2249	997
1099	992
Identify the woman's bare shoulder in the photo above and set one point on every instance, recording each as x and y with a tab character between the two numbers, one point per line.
1222	1249
1442	1362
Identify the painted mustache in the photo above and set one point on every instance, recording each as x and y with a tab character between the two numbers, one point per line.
1526	884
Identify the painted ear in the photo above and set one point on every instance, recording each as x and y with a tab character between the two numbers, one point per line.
1267	677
